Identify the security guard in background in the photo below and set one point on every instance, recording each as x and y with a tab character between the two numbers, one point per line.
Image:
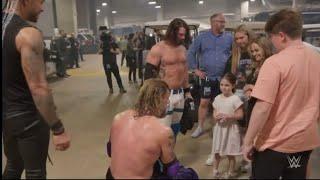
73	51
58	48
109	53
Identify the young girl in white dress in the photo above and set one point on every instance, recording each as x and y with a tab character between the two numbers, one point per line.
226	136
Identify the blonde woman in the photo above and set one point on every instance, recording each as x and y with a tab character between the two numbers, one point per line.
259	49
240	60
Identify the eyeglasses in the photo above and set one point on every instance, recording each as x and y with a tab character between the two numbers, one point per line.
222	22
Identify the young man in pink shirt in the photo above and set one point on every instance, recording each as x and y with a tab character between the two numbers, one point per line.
283	128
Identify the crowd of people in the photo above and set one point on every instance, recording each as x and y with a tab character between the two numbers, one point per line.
265	99
65	50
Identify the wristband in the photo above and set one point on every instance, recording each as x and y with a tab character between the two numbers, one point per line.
57	128
185	90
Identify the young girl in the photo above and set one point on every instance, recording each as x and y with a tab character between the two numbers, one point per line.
226	136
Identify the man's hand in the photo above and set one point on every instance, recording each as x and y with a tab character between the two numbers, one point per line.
247	151
62	141
199	73
188	95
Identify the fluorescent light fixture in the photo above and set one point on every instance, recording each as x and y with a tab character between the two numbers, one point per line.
228	14
104	4
114	12
98	10
310	13
157	7
152	2
200	2
252	0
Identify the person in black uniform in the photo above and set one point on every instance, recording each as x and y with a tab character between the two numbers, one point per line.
139	43
59	48
74	51
28	108
109	52
131	59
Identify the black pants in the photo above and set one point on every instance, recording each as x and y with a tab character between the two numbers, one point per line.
75	58
122	57
81	53
25	147
112	68
271	164
140	64
157	173
61	66
132	68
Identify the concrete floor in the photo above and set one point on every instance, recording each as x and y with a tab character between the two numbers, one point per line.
87	111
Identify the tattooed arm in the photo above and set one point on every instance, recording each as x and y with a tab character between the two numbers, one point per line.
29	43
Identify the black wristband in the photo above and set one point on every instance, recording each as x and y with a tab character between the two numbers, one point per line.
185	90
57	128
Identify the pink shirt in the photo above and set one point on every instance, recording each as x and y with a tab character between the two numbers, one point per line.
290	81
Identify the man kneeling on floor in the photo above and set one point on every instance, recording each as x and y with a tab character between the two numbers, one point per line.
138	139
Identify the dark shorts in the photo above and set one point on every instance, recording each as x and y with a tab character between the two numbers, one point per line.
210	89
269	164
176	128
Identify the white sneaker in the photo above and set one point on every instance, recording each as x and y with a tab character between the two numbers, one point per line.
230	175
209	161
246	168
197	132
216	174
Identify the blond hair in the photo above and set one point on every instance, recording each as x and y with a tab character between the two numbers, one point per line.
236	51
151	98
265	45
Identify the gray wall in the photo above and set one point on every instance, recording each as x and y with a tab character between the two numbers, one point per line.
83	13
45	22
65	15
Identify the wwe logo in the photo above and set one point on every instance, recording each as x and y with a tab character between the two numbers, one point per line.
294	162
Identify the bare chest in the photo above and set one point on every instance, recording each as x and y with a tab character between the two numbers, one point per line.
172	56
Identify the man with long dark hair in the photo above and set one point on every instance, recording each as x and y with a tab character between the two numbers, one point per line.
167	60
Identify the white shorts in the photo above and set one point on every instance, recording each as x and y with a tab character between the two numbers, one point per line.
175	110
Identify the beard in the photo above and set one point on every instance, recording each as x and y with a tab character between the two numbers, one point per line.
33	17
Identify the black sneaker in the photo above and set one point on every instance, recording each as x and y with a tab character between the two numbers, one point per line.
122	90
